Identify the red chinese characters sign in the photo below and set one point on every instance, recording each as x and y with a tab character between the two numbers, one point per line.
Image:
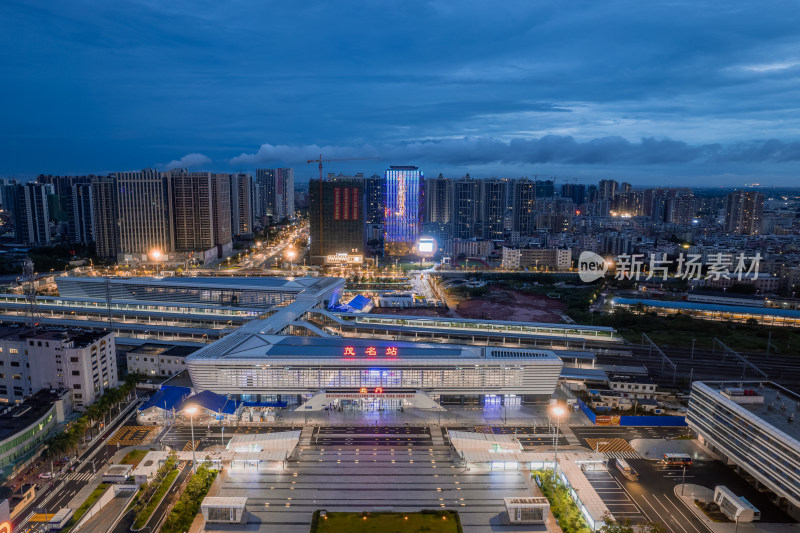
370	351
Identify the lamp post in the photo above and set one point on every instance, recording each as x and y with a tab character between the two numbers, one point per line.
556	411
191	412
597	446
156	255
291	255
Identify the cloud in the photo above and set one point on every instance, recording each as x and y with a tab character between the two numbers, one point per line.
771	67
188	161
549	149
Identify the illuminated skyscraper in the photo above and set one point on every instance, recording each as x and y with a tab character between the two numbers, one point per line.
403	224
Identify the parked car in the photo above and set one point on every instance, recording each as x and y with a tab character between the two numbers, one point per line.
45	475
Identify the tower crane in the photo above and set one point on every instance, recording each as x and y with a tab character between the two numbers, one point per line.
320	161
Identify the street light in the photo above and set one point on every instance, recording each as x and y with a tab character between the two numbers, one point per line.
156	255
556	411
191	412
291	255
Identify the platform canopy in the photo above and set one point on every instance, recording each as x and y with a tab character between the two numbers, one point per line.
167	397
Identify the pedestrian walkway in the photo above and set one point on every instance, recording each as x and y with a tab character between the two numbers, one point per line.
571	438
623	455
436	435
79	476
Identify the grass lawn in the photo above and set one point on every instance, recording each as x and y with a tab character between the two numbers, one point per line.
133	457
144	516
430	522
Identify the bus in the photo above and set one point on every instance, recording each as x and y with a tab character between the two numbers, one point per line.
677	459
627	471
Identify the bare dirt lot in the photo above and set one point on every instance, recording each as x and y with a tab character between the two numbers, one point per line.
508	304
498	304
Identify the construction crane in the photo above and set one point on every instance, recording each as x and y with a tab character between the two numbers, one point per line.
320	161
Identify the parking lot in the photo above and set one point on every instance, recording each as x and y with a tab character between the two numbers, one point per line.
614	496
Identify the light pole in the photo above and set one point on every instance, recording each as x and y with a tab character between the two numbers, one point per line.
683	480
597	446
290	255
191	412
556	411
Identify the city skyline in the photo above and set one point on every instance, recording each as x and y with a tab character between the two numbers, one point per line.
697	92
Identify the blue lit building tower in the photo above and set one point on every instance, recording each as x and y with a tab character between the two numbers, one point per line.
403	201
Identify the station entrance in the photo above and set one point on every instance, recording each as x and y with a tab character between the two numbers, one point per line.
370	404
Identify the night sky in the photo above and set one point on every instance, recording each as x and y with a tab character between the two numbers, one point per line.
684	93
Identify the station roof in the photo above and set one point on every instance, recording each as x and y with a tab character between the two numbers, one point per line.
717	308
213	282
167	397
768	413
264	347
593	374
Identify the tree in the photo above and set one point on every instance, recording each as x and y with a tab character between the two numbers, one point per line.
625	526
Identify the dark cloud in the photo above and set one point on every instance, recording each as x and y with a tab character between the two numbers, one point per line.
94	86
550	149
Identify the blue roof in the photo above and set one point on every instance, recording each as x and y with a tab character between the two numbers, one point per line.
210	401
359	302
166	398
696	306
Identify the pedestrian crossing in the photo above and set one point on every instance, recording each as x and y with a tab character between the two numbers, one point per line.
79	476
623	455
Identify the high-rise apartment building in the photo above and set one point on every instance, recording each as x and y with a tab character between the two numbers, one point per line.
276	185
607	189
201	210
404	202
524	207
81	214
105	221
438	200
465	222
221	209
575	191
144	210
743	212
494	194
337	221
374	190
545	188
31	214
241	201
681	206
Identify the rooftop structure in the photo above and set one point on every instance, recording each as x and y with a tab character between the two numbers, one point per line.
215	291
753	425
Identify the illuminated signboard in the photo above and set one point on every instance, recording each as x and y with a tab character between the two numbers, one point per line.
370	351
343	258
425	246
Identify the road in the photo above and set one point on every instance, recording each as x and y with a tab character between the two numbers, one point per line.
58	494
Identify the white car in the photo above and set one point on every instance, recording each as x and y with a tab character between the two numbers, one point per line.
45	475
